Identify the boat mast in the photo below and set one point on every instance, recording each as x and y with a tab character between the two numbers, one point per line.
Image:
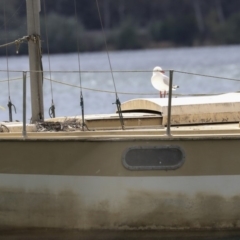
35	64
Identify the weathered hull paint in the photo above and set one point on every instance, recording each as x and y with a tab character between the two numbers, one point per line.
80	184
119	203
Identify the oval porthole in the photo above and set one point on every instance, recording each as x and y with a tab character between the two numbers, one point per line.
153	158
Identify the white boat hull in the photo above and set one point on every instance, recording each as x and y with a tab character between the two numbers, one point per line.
75	183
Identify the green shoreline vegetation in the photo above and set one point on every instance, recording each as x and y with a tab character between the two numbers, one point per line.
129	24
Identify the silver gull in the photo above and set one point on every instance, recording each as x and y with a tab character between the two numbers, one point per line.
161	82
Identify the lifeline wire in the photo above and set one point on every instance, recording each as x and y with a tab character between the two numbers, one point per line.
133	93
125	93
119	71
19	78
52	108
209	76
12	79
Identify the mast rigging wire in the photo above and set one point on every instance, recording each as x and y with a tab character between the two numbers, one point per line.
118	103
10	105
51	110
79	67
6	39
8	21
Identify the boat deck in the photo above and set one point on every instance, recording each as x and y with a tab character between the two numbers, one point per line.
191	117
211	130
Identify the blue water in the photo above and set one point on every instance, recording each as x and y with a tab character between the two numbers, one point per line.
223	61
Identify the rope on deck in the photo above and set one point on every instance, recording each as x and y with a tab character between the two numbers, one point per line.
68	125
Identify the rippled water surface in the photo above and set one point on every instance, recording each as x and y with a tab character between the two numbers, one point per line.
223	61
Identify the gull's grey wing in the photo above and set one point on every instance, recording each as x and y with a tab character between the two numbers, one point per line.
165	79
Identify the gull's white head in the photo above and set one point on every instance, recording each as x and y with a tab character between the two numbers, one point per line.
157	70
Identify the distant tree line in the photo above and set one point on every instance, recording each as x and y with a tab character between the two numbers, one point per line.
128	24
